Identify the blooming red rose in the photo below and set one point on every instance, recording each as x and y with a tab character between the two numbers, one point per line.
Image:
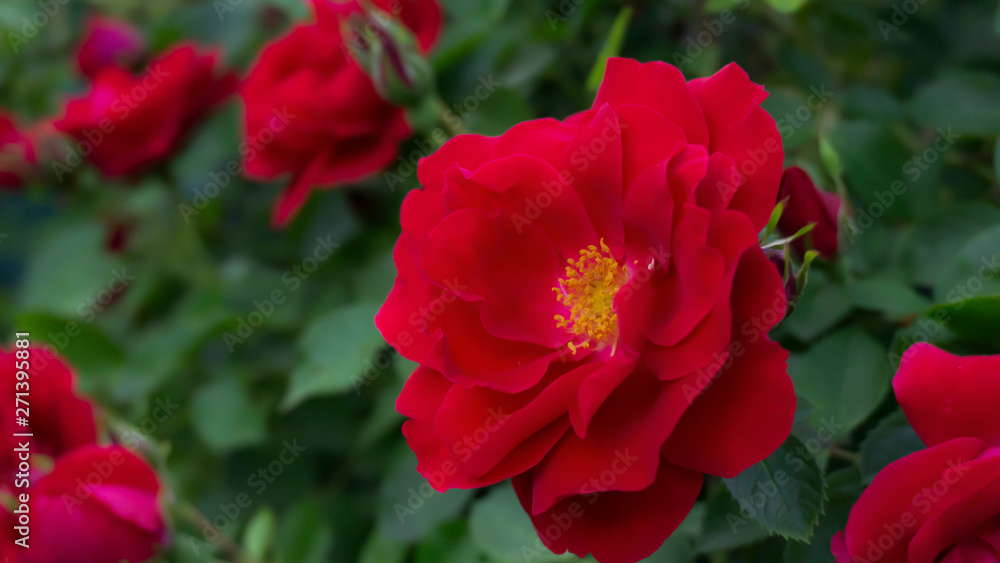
589	307
97	505
60	420
808	204
17	153
941	504
129	122
108	43
312	111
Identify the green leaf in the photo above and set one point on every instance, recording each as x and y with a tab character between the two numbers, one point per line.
785	493
895	299
996	157
820	306
409	508
725	528
449	543
85	346
892	439
843	490
844	376
72	274
973	320
335	349
968	102
974	271
787	6
502	530
380	549
225	417
305	536
259	534
612	46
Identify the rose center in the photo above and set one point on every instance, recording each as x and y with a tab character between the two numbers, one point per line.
588	290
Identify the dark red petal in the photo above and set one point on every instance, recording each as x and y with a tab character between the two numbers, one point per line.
658	86
647	140
741	418
615	526
755	146
468	152
946	396
725	99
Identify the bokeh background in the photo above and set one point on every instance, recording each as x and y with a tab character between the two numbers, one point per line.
194	354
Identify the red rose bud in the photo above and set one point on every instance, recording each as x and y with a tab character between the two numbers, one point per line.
808	204
108	43
569	318
388	52
17	154
127	123
941	503
311	110
60	420
97	505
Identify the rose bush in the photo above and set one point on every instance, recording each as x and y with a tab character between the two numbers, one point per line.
941	504
338	128
589	307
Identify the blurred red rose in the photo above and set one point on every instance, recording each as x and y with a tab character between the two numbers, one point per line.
312	111
129	122
17	153
589	307
108	43
942	504
97	505
60	420
809	204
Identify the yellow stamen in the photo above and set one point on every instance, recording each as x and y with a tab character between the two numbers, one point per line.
588	290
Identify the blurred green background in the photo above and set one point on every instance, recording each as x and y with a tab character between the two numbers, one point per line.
233	342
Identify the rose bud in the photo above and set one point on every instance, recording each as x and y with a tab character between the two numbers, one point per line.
940	504
389	54
312	112
17	154
577	313
60	420
808	204
130	122
97	505
108	43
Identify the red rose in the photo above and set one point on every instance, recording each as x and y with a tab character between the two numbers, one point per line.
313	112
129	122
808	204
942	504
60	419
17	153
97	505
589	307
108	43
